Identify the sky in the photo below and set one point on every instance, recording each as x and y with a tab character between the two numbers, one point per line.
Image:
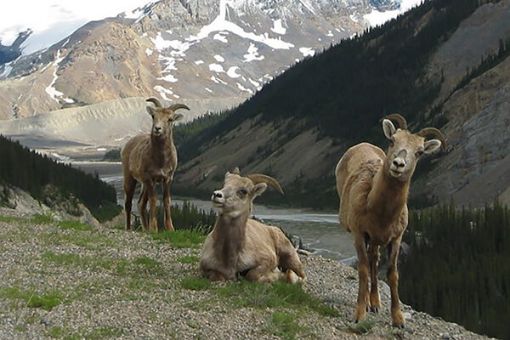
53	20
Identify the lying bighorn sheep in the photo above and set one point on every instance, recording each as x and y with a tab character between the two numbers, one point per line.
149	159
373	189
241	245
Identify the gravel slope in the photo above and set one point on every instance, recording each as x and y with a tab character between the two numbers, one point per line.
115	284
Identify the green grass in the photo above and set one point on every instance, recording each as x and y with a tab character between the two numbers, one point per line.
139	267
45	301
279	294
181	238
188	259
195	283
11	219
362	327
41	219
74	225
284	325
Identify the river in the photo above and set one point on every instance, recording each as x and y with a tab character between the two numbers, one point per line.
318	231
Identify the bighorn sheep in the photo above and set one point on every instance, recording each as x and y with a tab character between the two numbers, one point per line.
373	189
148	159
241	245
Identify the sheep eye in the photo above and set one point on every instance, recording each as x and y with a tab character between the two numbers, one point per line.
419	153
242	192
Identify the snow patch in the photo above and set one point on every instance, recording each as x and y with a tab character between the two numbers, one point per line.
163	92
220	23
232	72
208	90
216	68
253	54
330	34
376	18
7	70
254	83
218	80
149	52
219	58
242	88
220	37
278	27
50	89
353	18
199	62
307	51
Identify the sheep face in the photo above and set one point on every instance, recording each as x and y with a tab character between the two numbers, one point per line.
404	151
162	120
236	196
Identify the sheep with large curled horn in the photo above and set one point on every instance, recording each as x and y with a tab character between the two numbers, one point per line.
373	187
151	159
241	245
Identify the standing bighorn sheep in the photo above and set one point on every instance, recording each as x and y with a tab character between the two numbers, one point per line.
241	245
373	189
148	159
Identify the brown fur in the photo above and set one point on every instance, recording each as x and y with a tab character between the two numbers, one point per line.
151	159
373	188
239	244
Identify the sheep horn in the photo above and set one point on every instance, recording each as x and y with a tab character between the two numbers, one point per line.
401	121
259	178
176	107
154	101
431	131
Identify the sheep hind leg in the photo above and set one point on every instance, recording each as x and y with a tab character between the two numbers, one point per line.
264	274
362	303
373	259
396	314
290	262
129	190
142	208
167	203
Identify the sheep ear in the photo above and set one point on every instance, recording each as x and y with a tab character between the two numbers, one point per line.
150	110
258	189
431	146
176	117
388	128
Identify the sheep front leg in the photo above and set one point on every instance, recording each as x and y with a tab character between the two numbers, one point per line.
129	190
167	202
373	259
362	304
396	313
151	193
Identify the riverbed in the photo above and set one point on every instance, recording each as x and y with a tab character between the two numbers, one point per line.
319	231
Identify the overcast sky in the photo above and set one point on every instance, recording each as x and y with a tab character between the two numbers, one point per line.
55	19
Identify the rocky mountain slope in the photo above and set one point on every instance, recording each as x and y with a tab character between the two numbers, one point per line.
179	50
474	116
64	279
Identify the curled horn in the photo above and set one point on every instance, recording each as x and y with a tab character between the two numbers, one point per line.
259	178
433	132
154	101
176	107
401	121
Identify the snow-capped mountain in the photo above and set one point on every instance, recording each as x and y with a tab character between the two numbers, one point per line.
219	50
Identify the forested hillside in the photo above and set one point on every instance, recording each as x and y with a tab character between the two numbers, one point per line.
309	115
458	267
40	175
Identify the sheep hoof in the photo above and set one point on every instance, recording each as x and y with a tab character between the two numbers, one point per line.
374	309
